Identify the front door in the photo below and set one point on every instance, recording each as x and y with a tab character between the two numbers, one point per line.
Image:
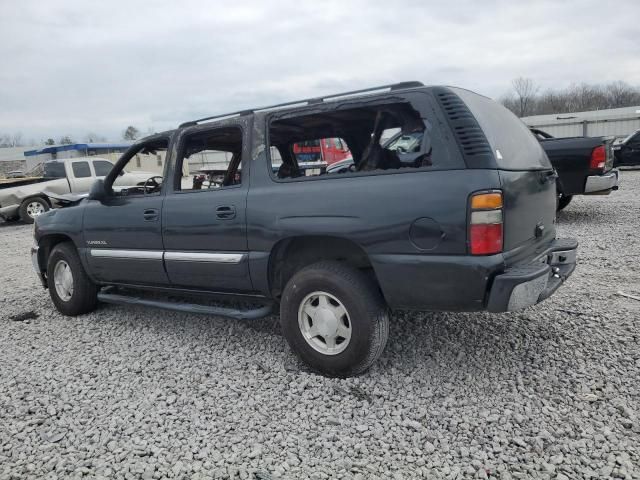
123	232
204	214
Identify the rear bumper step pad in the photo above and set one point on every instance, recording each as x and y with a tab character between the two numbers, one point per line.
522	286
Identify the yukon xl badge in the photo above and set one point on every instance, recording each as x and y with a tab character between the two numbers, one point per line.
96	242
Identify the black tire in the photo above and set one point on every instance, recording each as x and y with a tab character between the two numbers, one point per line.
25	215
367	312
84	296
563	201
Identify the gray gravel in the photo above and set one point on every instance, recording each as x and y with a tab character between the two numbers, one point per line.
551	392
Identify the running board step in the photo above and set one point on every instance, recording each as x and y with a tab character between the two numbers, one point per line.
187	307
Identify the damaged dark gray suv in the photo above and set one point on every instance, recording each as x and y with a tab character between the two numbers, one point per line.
245	206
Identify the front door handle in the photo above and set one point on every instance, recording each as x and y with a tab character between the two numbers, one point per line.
150	214
226	212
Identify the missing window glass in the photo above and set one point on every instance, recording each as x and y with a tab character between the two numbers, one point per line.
379	139
210	160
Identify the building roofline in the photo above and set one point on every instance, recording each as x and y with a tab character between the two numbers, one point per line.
75	146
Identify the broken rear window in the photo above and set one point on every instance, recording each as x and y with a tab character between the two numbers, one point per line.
385	138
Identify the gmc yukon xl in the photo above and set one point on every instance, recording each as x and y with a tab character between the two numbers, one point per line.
467	224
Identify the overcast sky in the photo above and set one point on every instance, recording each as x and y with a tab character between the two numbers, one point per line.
73	67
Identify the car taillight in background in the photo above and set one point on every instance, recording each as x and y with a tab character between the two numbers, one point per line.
485	223
598	158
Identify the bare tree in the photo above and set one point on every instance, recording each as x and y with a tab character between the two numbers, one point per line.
92	137
575	98
550	102
510	101
16	139
620	94
66	140
11	140
583	97
131	133
526	92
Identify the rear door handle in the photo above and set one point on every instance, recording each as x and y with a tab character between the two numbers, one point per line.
226	212
150	214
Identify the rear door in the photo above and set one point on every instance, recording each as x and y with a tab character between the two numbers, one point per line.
56	176
527	177
102	168
204	214
80	175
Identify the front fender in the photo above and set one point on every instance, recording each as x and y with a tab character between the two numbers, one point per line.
56	226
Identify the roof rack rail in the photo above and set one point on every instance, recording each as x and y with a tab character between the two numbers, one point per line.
309	101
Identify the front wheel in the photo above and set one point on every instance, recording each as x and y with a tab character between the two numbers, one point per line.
32	208
72	291
334	318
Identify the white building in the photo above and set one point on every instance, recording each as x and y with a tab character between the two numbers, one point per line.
12	159
618	122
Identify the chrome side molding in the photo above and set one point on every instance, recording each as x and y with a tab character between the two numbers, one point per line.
132	254
214	257
204	257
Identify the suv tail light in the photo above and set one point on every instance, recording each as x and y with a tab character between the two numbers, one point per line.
598	158
485	223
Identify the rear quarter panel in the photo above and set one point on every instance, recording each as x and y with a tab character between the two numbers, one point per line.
385	215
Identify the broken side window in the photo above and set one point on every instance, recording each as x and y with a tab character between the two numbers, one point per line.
378	139
210	160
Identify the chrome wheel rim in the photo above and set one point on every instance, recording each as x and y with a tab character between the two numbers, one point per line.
63	280
324	323
34	209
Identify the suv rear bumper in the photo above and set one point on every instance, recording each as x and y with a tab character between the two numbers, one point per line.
602	184
525	285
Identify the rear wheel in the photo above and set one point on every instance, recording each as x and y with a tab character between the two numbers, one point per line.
563	201
72	291
334	318
32	208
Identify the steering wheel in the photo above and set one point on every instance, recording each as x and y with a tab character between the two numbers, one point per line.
151	185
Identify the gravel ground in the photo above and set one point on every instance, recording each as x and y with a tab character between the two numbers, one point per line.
551	392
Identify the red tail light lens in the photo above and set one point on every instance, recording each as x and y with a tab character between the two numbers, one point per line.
486	239
598	158
485	223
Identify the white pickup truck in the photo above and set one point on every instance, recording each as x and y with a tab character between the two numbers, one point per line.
26	198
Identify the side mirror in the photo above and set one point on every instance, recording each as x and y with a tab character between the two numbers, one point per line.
98	191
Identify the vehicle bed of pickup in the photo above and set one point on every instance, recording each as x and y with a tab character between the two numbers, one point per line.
573	160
